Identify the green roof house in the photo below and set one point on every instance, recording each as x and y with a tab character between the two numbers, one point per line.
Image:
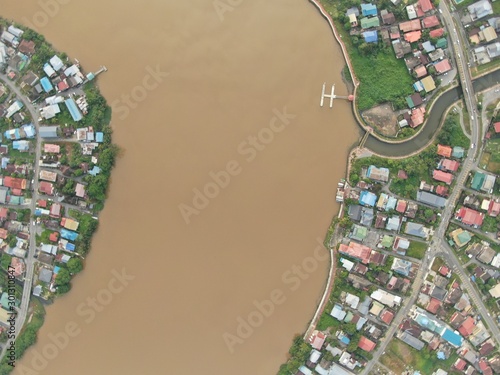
359	233
387	241
458	152
367	23
478	181
4	301
442	43
460	237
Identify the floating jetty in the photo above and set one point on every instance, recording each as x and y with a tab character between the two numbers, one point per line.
332	96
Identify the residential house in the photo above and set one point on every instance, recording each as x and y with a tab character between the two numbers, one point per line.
442	176
431	199
470	217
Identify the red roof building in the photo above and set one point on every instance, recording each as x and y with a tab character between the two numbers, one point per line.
14	183
497	127
450	165
444	151
42	203
413	36
443	66
420	71
460	364
54	236
433	305
62	86
401	206
470	216
417	116
494	208
467	326
317	339
357	251
445	177
402	174
387	316
4	212
55	210
46	187
366	344
425	5
412	25
444	270
442	190
431	21
436	33
17	192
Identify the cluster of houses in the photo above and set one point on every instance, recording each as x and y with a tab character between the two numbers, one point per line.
445	322
482	31
420	41
50	89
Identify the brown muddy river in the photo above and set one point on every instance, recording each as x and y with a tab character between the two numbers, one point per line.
197	92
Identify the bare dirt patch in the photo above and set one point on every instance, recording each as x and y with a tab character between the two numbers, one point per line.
383	119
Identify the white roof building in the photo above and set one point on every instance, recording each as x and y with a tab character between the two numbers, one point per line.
56	63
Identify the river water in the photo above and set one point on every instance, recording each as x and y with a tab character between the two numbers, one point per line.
190	86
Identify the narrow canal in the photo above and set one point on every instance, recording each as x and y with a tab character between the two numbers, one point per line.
427	133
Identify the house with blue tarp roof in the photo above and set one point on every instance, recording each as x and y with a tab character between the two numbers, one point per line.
57	269
46	84
73	109
368	10
94	171
99	137
5	161
367	198
370	36
29	130
453	338
21	145
69	246
69	235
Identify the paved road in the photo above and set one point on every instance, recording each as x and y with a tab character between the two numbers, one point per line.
30	257
439	244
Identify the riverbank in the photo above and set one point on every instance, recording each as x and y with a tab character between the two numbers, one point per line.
58	160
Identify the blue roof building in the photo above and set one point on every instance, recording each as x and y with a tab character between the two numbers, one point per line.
57	269
29	130
367	198
73	109
370	36
21	145
453	338
94	171
99	137
69	235
69	246
46	85
369	9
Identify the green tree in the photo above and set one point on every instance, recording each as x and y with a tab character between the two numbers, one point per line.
75	265
63	277
6	259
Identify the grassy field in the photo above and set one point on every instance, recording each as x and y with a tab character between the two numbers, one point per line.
485	67
416	250
490	160
398	356
383	78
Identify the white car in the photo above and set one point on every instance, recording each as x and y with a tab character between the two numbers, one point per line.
472	146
